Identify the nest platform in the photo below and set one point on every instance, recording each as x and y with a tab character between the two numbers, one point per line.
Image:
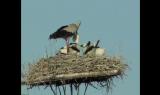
69	69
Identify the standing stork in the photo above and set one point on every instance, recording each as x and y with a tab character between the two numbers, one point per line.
66	32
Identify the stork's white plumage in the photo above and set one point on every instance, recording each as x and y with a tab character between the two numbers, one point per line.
72	27
97	51
72	50
76	38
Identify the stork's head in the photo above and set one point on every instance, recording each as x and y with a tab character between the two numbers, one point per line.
52	36
86	44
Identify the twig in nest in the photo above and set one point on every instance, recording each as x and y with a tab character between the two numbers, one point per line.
71	89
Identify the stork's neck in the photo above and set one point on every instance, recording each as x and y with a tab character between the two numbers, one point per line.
76	38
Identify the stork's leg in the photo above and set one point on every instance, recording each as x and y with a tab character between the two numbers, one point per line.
67	44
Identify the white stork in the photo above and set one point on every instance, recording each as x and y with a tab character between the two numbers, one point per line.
94	49
66	32
72	50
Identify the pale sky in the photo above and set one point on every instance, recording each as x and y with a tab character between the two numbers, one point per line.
116	23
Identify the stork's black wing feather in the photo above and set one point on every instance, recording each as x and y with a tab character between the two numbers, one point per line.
97	43
60	33
88	44
75	48
62	27
88	49
72	43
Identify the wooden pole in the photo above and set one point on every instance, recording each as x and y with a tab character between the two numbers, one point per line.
64	89
86	86
71	89
52	90
59	90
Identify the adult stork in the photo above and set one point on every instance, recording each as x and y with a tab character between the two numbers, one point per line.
73	49
65	32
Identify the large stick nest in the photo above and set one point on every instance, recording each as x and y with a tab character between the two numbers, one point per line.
69	69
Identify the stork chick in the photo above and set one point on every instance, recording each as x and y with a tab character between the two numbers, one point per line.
72	50
94	49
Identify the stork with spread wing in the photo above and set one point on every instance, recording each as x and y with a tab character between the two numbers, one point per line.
66	32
